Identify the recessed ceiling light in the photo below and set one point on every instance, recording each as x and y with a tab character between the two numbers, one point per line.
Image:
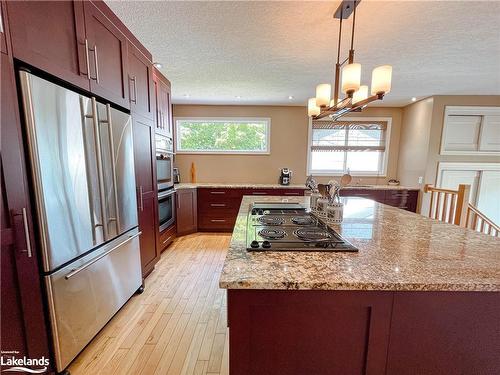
413	99
238	97
157	65
290	97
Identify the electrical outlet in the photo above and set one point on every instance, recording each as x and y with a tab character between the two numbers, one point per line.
421	179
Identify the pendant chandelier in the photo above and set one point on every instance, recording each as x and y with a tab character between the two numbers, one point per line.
356	95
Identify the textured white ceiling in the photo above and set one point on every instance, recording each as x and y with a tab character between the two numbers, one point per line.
265	51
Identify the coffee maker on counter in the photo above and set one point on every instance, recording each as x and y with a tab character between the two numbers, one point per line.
285	176
177	176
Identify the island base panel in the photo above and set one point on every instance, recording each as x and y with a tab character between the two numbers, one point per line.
362	332
308	332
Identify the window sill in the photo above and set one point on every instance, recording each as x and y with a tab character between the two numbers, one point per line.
223	153
340	174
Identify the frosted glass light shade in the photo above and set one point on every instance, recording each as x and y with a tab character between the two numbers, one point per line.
323	94
351	77
312	108
381	79
360	95
332	103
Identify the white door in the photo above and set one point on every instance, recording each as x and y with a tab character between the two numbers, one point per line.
489	195
450	179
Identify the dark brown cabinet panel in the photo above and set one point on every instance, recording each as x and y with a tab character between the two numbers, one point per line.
23	323
107	52
166	238
404	199
50	35
218	207
290	332
3	28
148	227
401	198
186	216
147	198
140	82
164	122
444	333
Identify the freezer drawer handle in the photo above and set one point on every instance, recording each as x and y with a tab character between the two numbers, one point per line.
90	262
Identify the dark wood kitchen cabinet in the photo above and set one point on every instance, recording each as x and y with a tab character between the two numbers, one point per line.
162	89
140	82
218	207
50	35
23	323
402	198
107	52
147	196
3	23
186	211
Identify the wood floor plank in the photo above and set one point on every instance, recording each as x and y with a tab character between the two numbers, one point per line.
177	326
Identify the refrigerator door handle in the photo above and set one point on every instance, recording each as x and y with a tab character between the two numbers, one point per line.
89	187
113	167
92	261
100	174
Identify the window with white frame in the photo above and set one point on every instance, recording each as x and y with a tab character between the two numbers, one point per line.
359	146
223	135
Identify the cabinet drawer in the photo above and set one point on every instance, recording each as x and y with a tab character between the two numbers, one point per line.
376	195
220	204
166	237
292	192
219	195
216	222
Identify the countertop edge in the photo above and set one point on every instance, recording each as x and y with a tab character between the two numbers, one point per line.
390	287
188	185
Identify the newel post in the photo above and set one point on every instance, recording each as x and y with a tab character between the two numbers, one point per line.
462	205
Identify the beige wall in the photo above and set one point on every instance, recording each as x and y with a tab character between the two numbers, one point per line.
414	142
289	131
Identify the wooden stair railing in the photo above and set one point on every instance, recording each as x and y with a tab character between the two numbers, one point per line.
448	205
478	221
452	206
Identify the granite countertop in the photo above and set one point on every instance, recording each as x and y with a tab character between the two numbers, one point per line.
398	250
186	185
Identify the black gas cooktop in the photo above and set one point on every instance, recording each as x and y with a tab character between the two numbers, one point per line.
289	227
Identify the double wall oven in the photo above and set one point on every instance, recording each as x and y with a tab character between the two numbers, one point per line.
165	180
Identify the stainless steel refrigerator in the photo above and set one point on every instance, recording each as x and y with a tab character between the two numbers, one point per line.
82	164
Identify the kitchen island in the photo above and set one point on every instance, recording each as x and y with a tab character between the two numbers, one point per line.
420	297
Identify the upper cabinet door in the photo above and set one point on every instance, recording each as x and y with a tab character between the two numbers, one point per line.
3	29
140	82
107	51
163	104
50	35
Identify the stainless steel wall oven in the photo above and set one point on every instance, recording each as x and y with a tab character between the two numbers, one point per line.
166	209
164	162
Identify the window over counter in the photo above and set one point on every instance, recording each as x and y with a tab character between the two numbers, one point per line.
359	145
233	135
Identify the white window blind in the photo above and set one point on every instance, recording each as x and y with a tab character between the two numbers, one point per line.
355	145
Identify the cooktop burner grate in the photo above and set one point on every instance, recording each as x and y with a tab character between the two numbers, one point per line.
271	220
313	234
272	234
303	220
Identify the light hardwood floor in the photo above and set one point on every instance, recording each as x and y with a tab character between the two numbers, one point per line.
177	326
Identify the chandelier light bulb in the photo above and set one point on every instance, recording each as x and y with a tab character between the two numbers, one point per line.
312	108
351	78
360	95
323	94
381	79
